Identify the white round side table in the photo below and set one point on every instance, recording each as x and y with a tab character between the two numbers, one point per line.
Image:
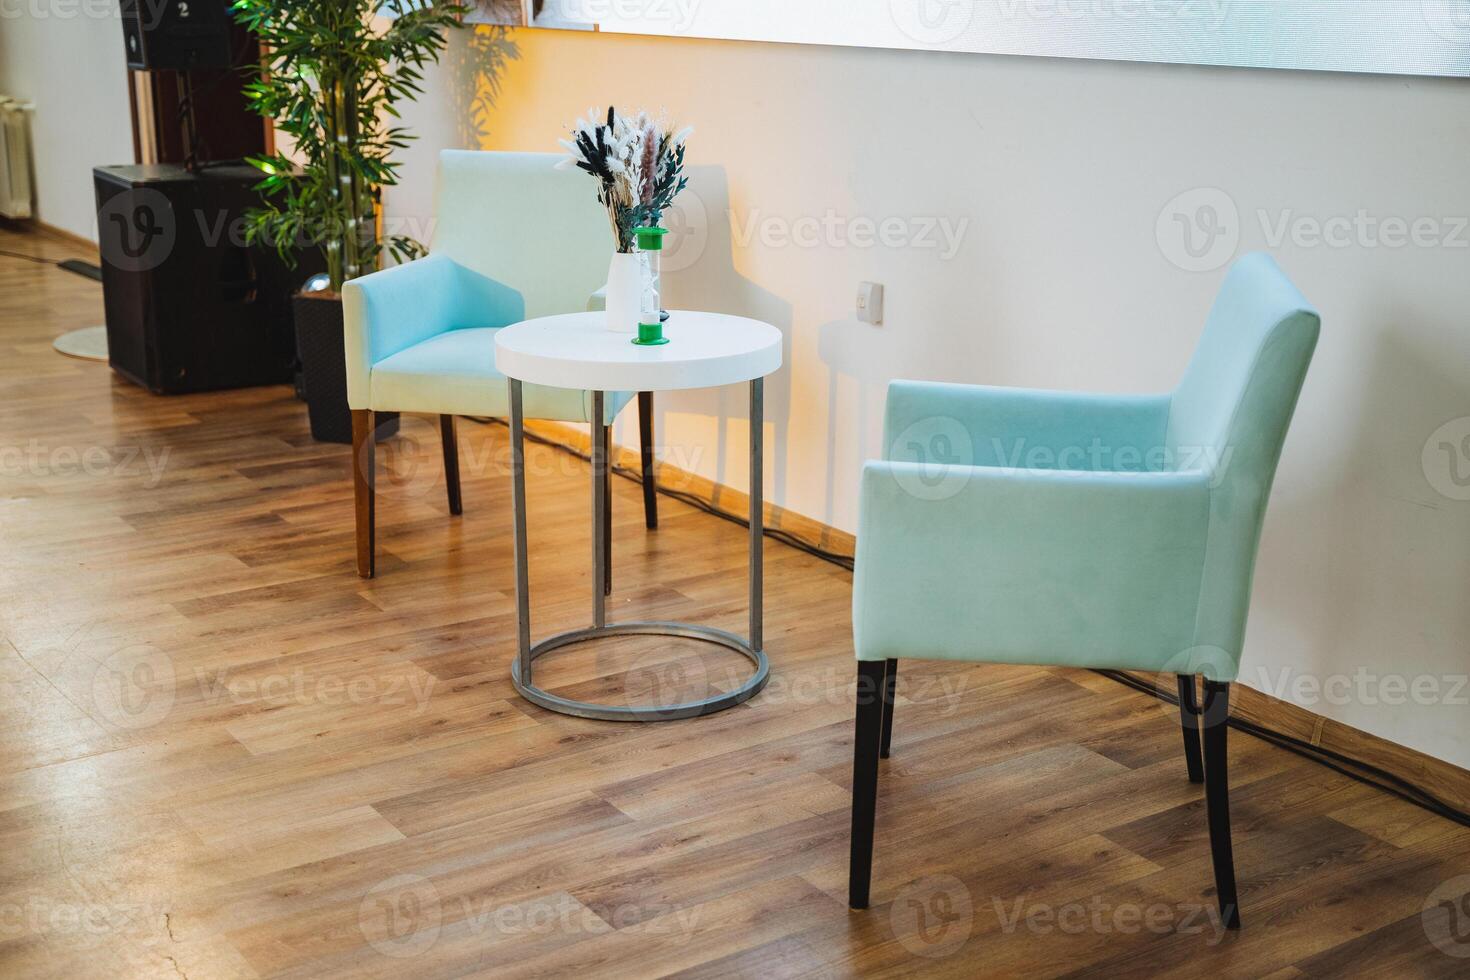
577	351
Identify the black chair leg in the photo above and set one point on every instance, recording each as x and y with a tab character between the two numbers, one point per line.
607	511
870	686
1217	799
890	684
645	450
1189	719
451	463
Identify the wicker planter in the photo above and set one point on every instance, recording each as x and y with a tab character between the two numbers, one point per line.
324	369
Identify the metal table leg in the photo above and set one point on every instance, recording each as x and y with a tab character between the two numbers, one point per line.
518	498
757	514
598	456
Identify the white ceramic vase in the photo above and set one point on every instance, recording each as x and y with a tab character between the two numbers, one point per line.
624	284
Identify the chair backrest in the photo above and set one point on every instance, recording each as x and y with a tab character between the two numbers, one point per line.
517	219
1230	415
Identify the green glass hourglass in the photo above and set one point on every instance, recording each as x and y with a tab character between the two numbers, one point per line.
650	312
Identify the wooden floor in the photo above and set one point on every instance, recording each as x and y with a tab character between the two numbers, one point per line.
224	755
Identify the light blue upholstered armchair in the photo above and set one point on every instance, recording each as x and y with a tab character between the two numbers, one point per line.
513	238
1027	527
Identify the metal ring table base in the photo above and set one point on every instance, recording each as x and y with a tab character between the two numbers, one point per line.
670	712
522	672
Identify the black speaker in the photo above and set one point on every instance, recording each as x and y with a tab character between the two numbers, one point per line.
177	34
190	306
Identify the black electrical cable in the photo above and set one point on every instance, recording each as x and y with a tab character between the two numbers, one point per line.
28	258
85	269
1354	769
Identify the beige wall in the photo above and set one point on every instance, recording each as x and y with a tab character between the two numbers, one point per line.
1065	172
67	58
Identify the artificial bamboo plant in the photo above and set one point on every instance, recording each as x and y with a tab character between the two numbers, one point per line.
332	75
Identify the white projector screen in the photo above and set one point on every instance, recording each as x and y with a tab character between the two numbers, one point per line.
1409	37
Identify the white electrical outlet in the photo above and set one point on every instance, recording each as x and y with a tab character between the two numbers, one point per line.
870	302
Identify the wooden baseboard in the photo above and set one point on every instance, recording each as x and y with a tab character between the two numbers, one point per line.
1447	781
1442	779
61	235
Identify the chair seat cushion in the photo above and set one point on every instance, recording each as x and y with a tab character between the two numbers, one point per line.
453	373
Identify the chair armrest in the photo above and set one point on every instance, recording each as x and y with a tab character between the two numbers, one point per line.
1018	428
393	309
597	302
1030	567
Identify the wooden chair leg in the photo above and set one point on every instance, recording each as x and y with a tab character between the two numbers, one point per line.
645	450
1217	799
1189	719
890	684
364	469
451	463
870	685
607	511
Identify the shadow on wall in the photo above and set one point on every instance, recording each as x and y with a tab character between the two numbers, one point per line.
474	62
949	294
699	274
839	347
1388	498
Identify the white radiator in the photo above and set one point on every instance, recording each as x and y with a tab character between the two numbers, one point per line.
15	158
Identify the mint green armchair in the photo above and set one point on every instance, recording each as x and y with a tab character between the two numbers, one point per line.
512	238
1028	527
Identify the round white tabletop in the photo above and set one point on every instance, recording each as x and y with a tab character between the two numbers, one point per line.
576	350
